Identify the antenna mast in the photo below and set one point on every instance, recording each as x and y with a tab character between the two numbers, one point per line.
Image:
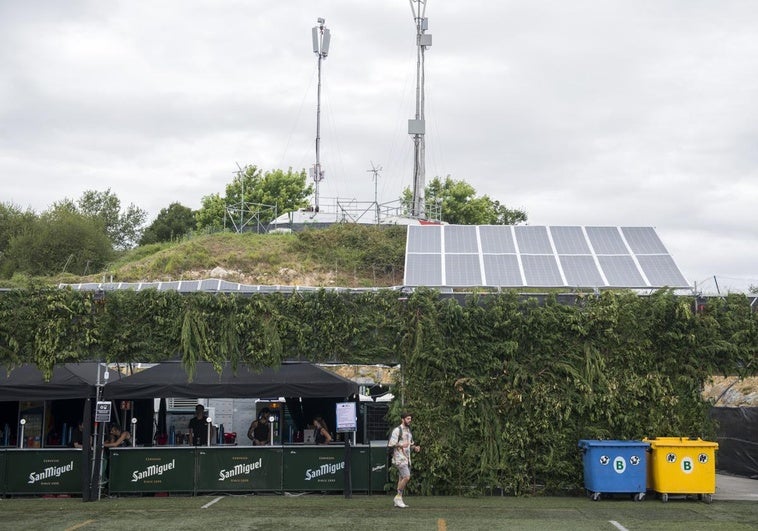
321	37
417	126
375	171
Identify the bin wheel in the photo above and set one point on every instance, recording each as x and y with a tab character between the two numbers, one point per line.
664	497
639	496
707	498
595	496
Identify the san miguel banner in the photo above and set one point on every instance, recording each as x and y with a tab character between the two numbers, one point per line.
152	470
43	472
236	468
322	468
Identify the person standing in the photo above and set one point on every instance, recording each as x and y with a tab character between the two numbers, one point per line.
260	429
198	427
321	433
401	441
77	435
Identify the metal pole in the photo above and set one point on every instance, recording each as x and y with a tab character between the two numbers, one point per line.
21	431
321	38
317	174
208	439
418	8
134	432
87	465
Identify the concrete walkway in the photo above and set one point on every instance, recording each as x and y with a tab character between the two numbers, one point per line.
736	488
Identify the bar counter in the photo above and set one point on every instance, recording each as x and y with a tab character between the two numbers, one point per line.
229	468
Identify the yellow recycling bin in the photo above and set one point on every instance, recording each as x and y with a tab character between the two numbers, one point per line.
682	465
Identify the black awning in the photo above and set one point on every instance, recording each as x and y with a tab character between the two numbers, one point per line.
170	380
69	380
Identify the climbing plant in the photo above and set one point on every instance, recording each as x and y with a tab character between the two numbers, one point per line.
502	386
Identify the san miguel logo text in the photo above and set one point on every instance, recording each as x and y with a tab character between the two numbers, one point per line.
50	472
153	470
240	469
324	470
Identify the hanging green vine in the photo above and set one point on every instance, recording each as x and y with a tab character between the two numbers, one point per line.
502	388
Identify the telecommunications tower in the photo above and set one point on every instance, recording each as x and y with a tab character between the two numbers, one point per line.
417	126
321	36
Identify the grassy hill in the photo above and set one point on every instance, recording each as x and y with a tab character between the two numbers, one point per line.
345	255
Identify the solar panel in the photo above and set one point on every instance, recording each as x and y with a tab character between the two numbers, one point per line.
538	256
661	270
496	239
606	240
581	271
168	286
502	270
570	240
621	272
533	240
461	239
541	270
423	270
462	270
424	239
643	240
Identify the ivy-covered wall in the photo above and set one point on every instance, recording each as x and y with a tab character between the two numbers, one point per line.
502	388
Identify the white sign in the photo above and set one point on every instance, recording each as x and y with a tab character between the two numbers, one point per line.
346	418
103	411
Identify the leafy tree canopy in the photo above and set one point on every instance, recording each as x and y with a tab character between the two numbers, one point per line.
60	240
459	204
172	222
254	191
13	220
123	228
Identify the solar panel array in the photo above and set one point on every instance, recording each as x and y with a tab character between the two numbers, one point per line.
208	285
538	256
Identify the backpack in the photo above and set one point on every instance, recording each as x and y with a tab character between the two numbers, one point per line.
391	449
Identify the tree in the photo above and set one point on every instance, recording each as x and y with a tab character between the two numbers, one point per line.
459	205
60	241
252	188
172	222
13	222
122	228
212	212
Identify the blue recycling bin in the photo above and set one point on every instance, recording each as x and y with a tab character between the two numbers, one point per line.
615	467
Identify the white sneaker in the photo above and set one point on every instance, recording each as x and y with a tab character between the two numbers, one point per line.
399	502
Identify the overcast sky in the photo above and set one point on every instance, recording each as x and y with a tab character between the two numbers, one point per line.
588	112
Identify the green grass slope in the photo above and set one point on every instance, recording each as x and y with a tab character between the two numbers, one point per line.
345	255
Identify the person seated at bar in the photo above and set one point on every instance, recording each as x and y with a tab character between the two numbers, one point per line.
117	437
198	427
260	430
321	433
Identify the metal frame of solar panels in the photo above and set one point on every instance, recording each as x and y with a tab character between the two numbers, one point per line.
523	256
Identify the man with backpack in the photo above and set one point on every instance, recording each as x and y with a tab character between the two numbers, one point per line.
402	445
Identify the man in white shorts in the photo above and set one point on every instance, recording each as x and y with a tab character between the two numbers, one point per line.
402	443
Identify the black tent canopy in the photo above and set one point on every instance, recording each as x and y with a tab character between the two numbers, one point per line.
69	380
291	379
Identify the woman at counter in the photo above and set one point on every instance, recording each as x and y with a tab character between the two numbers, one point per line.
321	433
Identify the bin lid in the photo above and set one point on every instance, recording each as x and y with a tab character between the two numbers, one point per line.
658	442
587	443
